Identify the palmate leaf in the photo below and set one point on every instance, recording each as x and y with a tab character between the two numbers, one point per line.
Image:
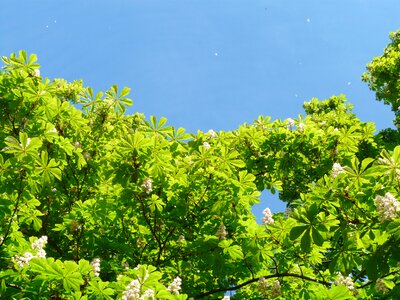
118	101
91	101
47	169
31	216
229	159
235	252
389	164
359	171
349	139
160	162
25	146
308	231
179	134
99	290
155	203
159	127
50	270
21	62
339	292
136	141
245	181
72	279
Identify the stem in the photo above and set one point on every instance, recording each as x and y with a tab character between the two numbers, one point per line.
152	229
286	274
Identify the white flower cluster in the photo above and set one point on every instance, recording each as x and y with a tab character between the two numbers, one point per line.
149	293
397	174
175	286
226	298
132	290
336	170
211	133
276	289
206	146
36	73
221	232
267	218
346	281
147	185
87	156
387	206
125	265
301	127
38	245
263	286
96	266
291	123
24	259
381	286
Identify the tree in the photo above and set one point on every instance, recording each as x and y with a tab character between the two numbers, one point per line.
98	204
382	75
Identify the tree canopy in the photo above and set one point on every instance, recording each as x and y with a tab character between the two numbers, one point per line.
99	204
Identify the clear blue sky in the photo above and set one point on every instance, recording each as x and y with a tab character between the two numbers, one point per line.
210	63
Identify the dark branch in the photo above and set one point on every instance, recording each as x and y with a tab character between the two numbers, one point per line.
286	274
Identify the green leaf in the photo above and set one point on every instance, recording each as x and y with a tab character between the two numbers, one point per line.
40	265
312	212
297	231
317	237
306	241
56	271
5	206
100	290
235	252
84	267
339	292
164	294
224	244
47	169
72	279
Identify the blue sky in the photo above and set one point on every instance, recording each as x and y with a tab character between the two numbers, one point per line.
210	64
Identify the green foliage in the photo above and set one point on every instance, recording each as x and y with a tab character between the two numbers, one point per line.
98	204
383	76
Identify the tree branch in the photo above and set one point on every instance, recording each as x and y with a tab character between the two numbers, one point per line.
278	275
15	211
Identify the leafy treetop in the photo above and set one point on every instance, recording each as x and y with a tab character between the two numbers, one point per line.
99	204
